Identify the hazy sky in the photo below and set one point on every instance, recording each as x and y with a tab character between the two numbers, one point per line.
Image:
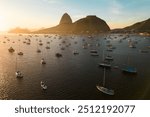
46	13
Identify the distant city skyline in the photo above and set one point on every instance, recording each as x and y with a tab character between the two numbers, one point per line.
35	14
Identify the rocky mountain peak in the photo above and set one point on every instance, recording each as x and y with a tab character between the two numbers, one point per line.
66	19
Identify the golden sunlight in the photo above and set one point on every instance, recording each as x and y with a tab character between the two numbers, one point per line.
2	23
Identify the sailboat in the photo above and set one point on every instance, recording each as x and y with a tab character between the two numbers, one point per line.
43	61
103	88
43	86
48	45
129	69
105	63
18	73
11	50
38	50
20	53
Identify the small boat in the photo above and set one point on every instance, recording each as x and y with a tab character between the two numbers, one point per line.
93	51
75	52
24	41
84	47
48	42
62	48
38	50
47	47
109	49
143	51
20	53
132	46
19	74
116	67
94	54
40	44
11	50
105	64
58	55
129	69
105	90
43	61
28	43
43	86
97	44
108	57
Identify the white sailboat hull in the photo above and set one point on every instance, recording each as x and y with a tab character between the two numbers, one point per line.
105	90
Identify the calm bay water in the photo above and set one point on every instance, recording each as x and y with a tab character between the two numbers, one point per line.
72	76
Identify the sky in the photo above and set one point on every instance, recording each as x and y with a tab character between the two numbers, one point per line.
35	14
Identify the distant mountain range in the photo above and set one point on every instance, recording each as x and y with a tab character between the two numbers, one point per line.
143	26
19	30
89	25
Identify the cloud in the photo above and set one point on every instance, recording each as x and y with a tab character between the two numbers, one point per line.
52	1
115	7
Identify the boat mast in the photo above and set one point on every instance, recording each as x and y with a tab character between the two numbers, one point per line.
16	63
104	78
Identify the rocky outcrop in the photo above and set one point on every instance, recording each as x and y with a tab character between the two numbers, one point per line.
66	19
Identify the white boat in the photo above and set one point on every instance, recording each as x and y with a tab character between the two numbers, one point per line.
43	86
105	64
103	88
108	57
43	61
94	54
19	74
